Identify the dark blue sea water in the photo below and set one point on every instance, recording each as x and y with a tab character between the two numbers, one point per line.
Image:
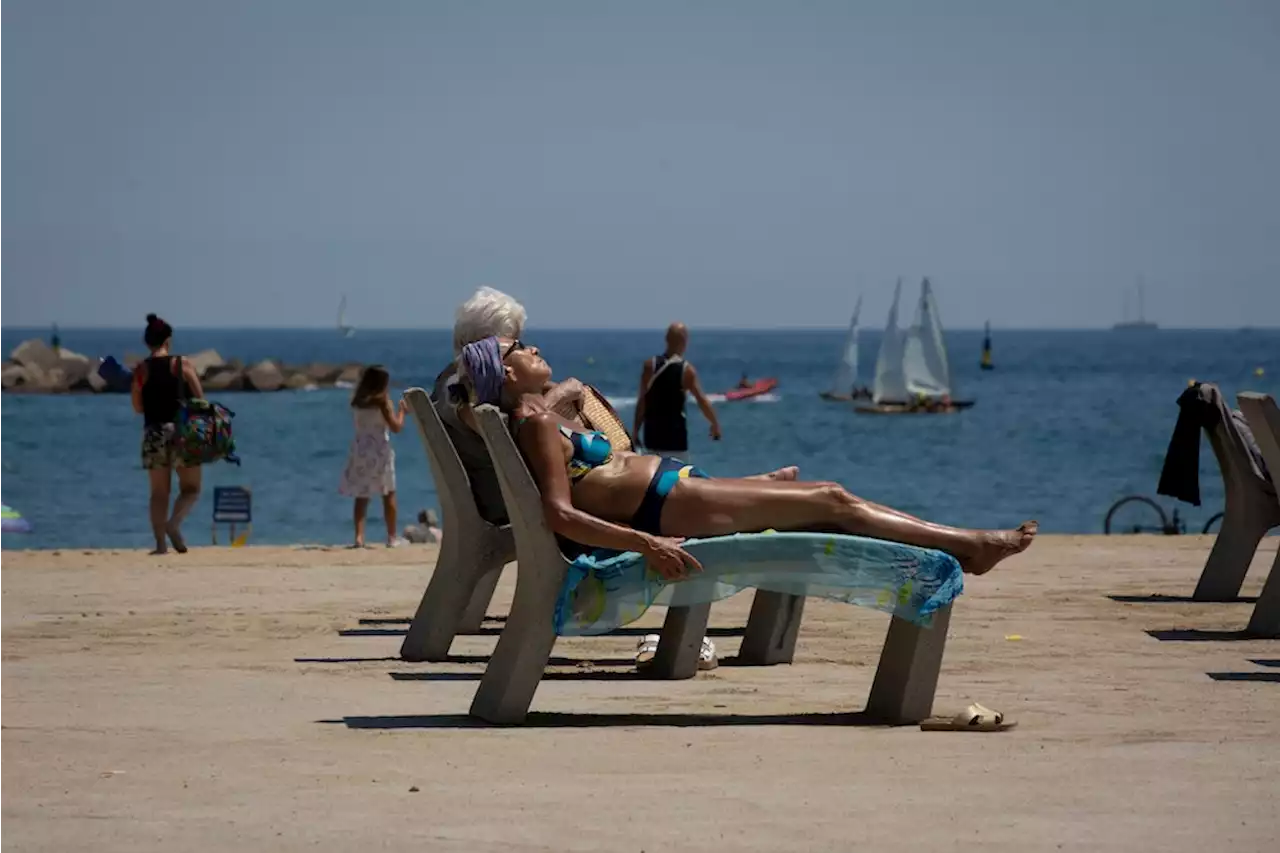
1067	422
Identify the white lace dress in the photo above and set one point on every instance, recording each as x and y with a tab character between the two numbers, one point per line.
371	462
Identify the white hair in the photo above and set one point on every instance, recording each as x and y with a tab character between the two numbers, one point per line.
488	312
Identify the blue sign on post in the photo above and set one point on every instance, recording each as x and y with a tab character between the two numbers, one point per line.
232	505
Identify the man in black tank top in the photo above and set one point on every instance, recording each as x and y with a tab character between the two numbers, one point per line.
664	382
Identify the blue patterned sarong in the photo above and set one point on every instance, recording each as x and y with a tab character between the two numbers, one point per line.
608	589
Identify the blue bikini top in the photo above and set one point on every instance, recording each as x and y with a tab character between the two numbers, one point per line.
590	451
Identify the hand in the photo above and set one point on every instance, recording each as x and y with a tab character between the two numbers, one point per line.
404	404
570	389
715	432
668	559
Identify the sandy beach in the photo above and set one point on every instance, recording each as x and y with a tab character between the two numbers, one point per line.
252	699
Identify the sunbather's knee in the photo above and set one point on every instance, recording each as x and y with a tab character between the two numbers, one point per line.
838	497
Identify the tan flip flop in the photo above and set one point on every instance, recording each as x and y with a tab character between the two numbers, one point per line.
975	718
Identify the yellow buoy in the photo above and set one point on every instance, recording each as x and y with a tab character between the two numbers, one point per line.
1259	372
591	359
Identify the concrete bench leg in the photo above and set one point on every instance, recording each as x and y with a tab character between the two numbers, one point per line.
478	608
1265	621
515	669
456	581
1228	562
681	642
772	629
907	676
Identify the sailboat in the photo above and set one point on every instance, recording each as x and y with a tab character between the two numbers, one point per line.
986	363
842	383
343	329
1141	324
913	374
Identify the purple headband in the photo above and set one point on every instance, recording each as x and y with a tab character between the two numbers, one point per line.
483	363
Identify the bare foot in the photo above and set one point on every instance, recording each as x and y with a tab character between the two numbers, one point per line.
999	545
158	552
791	472
179	544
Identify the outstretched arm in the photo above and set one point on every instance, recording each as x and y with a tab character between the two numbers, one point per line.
135	390
694	387
394	418
646	376
540	441
193	380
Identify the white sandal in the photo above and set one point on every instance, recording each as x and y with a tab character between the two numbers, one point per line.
647	650
707	655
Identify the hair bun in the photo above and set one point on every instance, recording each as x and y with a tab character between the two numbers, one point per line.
151	318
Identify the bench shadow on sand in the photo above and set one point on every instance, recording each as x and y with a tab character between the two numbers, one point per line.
555	660
538	720
387	628
1202	635
1161	598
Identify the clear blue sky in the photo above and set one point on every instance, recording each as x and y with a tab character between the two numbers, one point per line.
624	164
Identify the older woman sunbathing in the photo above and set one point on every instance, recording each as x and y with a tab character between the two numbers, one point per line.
601	497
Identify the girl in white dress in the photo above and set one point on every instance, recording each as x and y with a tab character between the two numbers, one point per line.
371	462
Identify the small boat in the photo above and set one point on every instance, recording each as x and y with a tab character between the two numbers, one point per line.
913	375
755	389
1142	324
843	388
986	363
343	329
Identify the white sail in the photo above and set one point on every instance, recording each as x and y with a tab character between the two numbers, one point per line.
343	328
847	371
924	357
891	383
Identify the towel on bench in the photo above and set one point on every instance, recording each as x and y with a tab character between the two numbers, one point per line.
605	590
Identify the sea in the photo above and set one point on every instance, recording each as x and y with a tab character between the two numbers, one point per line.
1066	424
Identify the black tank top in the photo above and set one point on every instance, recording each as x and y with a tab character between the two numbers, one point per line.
664	422
163	389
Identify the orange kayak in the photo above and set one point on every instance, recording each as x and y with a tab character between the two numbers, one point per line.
760	386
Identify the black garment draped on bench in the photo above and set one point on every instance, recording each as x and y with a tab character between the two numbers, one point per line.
1202	406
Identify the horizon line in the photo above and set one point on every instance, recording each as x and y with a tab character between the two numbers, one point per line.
659	329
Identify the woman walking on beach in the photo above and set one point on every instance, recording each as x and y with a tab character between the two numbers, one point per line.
371	462
160	383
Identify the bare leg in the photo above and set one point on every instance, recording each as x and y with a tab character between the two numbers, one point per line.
389	513
158	506
188	494
361	507
719	507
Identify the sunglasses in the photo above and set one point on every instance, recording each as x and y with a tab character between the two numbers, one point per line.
516	346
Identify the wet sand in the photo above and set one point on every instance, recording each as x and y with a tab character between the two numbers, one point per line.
252	699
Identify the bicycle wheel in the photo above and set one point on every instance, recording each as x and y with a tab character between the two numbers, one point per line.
1141	509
